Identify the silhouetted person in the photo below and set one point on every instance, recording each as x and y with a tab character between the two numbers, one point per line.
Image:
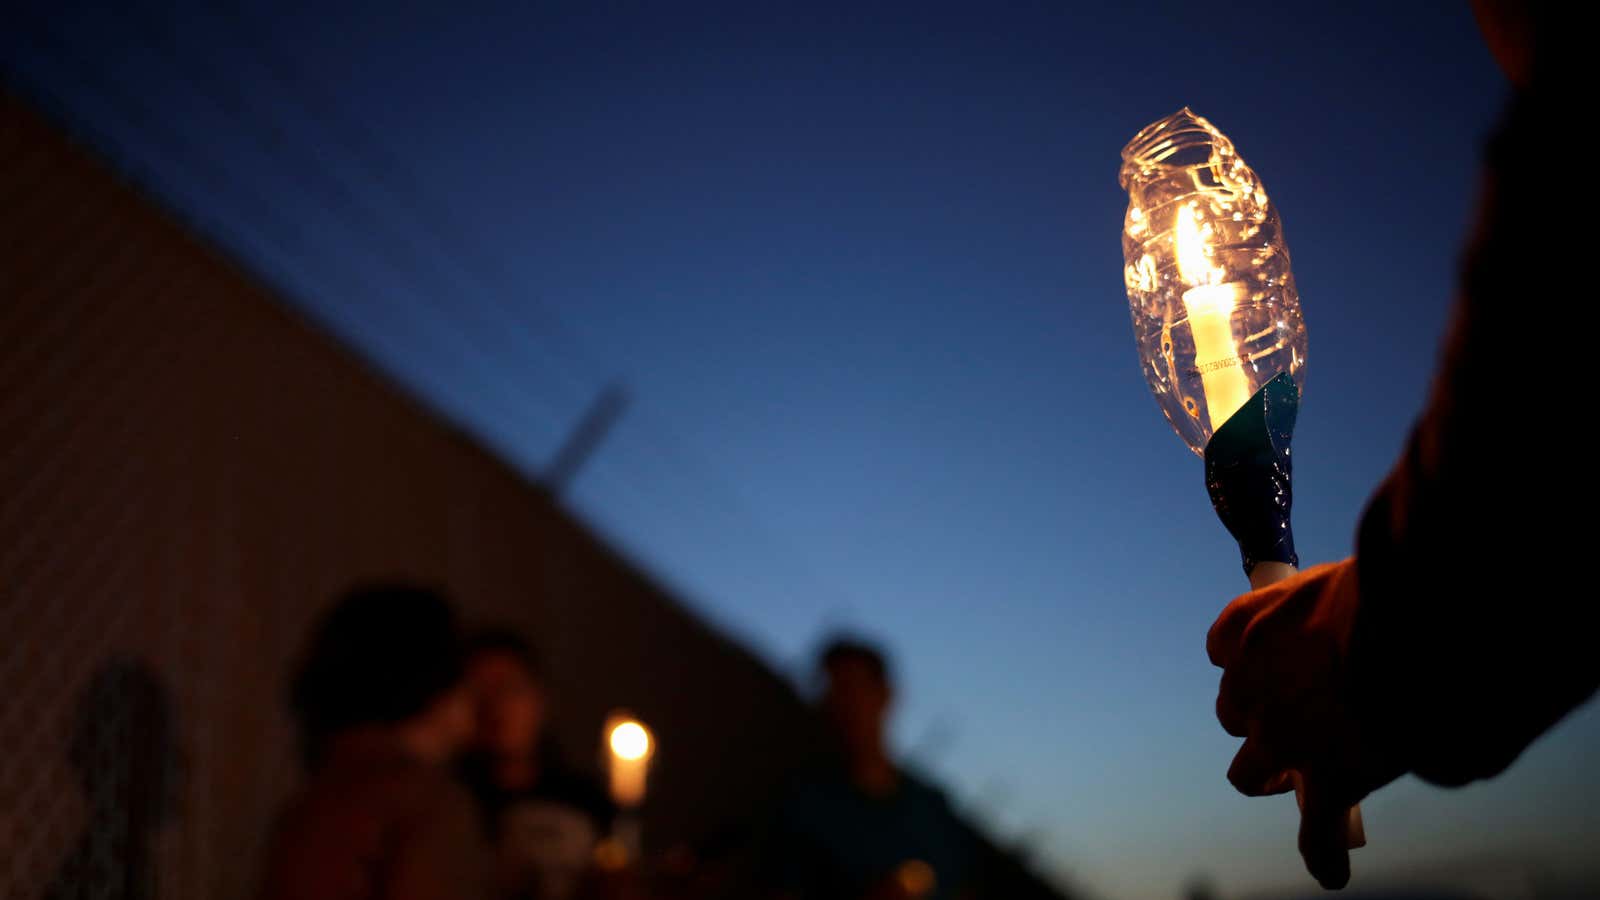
383	710
860	826
124	750
1457	633
544	818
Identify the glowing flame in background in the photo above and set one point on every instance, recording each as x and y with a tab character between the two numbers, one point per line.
630	741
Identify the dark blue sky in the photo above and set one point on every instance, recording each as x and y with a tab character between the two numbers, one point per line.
860	270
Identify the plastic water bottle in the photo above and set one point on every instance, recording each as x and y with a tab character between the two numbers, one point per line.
1215	311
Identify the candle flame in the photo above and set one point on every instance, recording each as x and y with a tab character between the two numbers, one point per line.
1189	240
630	740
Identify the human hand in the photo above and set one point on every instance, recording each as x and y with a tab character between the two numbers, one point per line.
1284	651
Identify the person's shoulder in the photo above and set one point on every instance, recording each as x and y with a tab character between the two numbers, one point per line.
343	798
809	781
323	836
814	795
435	844
405	792
437	790
923	791
435	811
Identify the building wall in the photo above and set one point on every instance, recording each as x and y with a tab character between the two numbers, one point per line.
188	472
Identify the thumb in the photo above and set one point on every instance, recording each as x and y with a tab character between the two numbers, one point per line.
1323	842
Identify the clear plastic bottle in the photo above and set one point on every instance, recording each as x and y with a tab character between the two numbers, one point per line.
1215	311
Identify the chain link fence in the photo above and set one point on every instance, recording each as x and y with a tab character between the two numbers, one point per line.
187	472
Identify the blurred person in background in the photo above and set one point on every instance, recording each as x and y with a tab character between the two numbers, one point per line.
383	710
859	827
1454	636
125	750
544	818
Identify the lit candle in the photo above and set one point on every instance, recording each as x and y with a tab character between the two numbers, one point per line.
1185	164
631	749
1210	306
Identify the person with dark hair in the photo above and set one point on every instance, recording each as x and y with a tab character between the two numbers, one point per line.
544	818
1453	638
860	827
382	711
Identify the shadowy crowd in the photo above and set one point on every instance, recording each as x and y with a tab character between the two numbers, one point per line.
430	774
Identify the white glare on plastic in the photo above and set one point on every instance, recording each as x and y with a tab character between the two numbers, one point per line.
1215	311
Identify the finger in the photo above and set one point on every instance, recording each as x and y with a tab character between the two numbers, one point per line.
1256	771
1282	783
1251	691
1323	843
1239	698
1233	716
1276	676
1227	632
